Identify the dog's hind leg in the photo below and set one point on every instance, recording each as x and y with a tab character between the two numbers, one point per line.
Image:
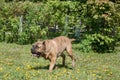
63	61
70	53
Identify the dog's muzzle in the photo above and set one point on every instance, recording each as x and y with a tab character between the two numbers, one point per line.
32	50
34	53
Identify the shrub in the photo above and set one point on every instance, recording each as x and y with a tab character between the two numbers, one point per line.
94	24
101	20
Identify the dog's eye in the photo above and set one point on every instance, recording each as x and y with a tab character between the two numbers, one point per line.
38	46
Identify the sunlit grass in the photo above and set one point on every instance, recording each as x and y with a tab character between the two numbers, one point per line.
16	63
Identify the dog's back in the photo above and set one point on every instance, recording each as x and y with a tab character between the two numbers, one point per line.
62	43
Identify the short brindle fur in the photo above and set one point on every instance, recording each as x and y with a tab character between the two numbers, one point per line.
52	49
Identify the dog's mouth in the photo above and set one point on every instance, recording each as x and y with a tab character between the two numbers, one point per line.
36	54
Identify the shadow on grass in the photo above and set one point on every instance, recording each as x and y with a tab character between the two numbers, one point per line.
47	67
40	67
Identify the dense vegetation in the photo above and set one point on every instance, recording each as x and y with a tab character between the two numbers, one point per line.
95	24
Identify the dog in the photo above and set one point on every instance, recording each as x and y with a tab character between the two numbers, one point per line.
52	49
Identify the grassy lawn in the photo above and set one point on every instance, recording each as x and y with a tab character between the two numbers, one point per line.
16	63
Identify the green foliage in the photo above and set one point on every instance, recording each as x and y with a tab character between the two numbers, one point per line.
23	38
85	45
101	25
19	23
95	24
102	43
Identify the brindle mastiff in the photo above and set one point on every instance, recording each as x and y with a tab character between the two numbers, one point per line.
52	49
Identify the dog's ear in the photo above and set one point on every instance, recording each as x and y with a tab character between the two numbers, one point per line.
43	43
46	45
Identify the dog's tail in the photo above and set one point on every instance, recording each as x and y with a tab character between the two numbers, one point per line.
72	40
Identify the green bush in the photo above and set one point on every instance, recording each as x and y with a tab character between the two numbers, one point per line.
94	24
101	25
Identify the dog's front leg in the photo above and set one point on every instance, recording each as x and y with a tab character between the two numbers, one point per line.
47	55
52	64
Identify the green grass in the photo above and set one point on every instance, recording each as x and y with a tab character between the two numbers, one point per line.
16	63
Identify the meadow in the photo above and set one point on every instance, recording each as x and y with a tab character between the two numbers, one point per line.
16	63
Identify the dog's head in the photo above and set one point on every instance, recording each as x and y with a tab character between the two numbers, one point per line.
38	48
